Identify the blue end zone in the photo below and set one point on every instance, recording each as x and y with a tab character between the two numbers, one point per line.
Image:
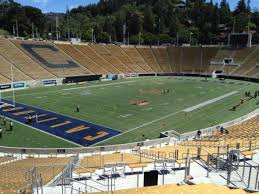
74	130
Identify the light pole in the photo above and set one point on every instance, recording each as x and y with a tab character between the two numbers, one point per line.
17	29
177	40
68	30
191	38
159	32
92	35
234	24
139	38
32	29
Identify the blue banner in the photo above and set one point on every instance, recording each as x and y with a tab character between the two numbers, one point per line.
49	82
19	85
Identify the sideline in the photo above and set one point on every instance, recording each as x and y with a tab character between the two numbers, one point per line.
100	85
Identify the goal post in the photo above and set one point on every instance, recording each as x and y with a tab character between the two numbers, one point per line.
12	86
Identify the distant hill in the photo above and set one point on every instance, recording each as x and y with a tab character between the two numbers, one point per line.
153	21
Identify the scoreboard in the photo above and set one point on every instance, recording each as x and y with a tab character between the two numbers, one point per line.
240	40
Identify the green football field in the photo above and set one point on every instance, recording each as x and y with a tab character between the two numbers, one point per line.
117	104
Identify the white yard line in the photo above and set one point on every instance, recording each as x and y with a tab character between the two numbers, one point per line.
190	109
101	85
159	119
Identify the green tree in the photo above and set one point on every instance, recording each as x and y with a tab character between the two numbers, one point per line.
149	20
134	39
165	39
103	37
134	23
149	39
241	16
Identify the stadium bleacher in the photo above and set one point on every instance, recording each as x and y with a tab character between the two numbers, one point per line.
218	60
3	79
150	58
98	161
244	130
6	72
175	58
4	159
137	58
191	59
242	57
97	58
51	58
108	56
44	60
13	173
122	56
252	69
81	58
24	63
162	57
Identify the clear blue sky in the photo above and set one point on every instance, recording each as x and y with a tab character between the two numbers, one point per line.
60	5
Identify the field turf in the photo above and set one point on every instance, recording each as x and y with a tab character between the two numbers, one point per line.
110	104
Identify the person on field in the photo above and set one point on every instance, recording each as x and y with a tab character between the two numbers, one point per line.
4	121
29	119
11	125
36	117
77	108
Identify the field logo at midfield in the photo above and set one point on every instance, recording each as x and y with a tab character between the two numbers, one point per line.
71	129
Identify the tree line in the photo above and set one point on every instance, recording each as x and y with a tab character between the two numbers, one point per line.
134	21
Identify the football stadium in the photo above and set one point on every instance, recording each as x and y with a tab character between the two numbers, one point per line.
134	97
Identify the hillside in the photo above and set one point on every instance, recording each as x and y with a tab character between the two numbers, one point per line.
153	21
